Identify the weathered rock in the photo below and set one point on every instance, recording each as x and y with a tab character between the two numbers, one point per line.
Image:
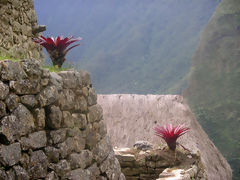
11	175
25	86
76	175
143	145
12	101
10	155
48	96
94	171
24	161
92	137
3	175
67	100
58	136
80	160
29	100
111	167
102	150
4	90
81	104
12	71
32	68
95	113
70	79
80	120
34	141
54	119
2	109
21	174
86	80
92	97
56	80
37	167
61	168
67	120
52	154
71	144
52	176
39	118
25	119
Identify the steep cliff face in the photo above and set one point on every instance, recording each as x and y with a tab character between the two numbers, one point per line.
18	24
51	126
130	118
213	90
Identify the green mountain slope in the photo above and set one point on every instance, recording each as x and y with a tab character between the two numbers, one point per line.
131	46
214	85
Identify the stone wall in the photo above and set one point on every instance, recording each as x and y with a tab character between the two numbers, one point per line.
160	163
18	24
51	126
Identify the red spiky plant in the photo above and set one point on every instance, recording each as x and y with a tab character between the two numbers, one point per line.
57	48
170	134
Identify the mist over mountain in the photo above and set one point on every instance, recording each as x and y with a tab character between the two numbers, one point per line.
213	90
130	46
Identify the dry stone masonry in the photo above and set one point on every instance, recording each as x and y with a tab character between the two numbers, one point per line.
51	126
18	24
160	163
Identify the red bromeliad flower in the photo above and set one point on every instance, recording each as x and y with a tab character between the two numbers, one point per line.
170	134
57	48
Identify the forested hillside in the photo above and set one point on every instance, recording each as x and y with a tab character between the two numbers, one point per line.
213	91
130	46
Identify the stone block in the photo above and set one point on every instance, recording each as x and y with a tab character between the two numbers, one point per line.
67	120
21	174
39	114
29	100
48	96
52	154
34	140
12	71
80	120
77	174
58	136
80	104
61	168
80	160
54	117
92	97
10	155
86	80
4	90
67	100
95	113
25	119
12	101
32	68
37	167
2	109
25	86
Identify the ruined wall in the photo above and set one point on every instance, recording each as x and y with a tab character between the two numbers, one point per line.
160	163
18	24
130	118
51	126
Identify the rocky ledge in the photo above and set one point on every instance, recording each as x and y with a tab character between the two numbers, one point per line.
160	163
51	126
